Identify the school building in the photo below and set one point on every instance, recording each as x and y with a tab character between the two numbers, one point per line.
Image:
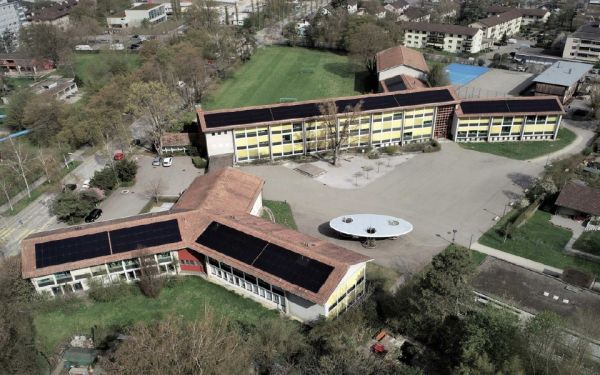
213	231
391	118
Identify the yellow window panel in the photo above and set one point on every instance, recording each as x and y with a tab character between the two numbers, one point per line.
298	147
242	153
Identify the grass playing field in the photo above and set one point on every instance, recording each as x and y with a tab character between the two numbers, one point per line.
275	73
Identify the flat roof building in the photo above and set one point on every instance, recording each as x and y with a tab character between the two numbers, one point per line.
140	12
212	231
561	79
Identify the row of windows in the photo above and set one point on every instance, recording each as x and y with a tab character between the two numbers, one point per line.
349	293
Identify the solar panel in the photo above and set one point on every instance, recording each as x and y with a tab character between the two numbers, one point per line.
379	102
71	249
142	236
423	97
231	242
295	111
249	116
510	106
295	268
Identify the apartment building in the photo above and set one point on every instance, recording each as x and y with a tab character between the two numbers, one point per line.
584	44
153	13
56	14
528	15
497	26
507	119
449	38
213	231
10	21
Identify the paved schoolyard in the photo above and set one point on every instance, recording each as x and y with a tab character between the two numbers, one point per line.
174	180
438	192
496	83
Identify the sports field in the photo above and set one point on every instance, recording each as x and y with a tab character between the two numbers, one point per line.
277	74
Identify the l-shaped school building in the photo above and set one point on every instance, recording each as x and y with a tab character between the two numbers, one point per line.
390	118
212	231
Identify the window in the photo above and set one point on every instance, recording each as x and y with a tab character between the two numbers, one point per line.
297	127
45	282
83	276
287	138
213	262
77	287
63	277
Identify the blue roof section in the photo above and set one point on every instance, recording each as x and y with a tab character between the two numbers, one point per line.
564	73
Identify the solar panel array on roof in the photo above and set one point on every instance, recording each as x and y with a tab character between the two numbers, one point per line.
141	236
302	110
510	106
295	268
71	249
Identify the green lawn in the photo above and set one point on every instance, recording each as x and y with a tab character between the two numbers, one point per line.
523	150
90	67
282	212
589	242
540	241
295	73
187	298
478	257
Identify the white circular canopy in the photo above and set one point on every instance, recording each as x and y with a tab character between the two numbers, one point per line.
370	226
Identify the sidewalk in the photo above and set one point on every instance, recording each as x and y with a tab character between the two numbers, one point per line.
514	259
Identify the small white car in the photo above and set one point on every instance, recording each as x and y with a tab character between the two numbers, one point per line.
85	184
167	162
156	161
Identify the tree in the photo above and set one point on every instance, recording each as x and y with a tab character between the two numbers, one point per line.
104	179
337	126
544	333
209	345
15	111
541	189
44	40
444	290
126	170
44	116
151	282
473	10
158	104
365	41
70	208
437	76
155	189
7	41
7	182
192	70
47	161
18	158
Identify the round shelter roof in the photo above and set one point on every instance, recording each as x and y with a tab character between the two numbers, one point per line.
370	226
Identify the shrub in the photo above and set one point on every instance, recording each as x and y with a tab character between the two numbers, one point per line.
587	151
577	277
107	293
151	282
104	179
199	162
126	170
390	150
373	155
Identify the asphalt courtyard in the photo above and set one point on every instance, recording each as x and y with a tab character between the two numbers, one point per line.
454	189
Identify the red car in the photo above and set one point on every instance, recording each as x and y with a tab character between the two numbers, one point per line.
119	155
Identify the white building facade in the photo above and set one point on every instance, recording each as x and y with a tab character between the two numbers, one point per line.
10	20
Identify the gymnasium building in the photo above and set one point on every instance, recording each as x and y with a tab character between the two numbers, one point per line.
213	231
390	118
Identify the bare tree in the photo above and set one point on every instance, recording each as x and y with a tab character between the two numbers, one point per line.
18	159
151	282
357	175
379	164
338	125
47	162
367	169
6	179
155	189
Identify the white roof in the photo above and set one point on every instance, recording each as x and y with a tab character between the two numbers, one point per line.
370	226
564	73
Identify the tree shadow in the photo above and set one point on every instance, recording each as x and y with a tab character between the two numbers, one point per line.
521	180
364	81
511	195
343	70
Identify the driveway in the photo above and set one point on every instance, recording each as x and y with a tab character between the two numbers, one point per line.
454	189
173	181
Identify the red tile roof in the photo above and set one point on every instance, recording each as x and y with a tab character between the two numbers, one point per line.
225	196
400	55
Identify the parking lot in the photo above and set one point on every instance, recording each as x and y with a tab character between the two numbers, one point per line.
454	189
173	181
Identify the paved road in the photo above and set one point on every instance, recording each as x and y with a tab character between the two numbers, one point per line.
36	216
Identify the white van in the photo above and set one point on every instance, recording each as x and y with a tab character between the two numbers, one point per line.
83	47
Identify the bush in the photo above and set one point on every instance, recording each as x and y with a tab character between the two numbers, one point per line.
126	170
390	150
151	282
373	155
107	293
104	179
199	162
587	151
525	214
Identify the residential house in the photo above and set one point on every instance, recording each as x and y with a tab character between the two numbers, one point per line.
397	62
415	15
177	142
397	7
496	27
449	38
528	15
584	44
578	200
56	14
16	64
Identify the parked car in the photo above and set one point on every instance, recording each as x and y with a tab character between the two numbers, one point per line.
119	155
167	162
69	187
157	161
85	185
93	215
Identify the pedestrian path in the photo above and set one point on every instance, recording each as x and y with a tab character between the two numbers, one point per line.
514	259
